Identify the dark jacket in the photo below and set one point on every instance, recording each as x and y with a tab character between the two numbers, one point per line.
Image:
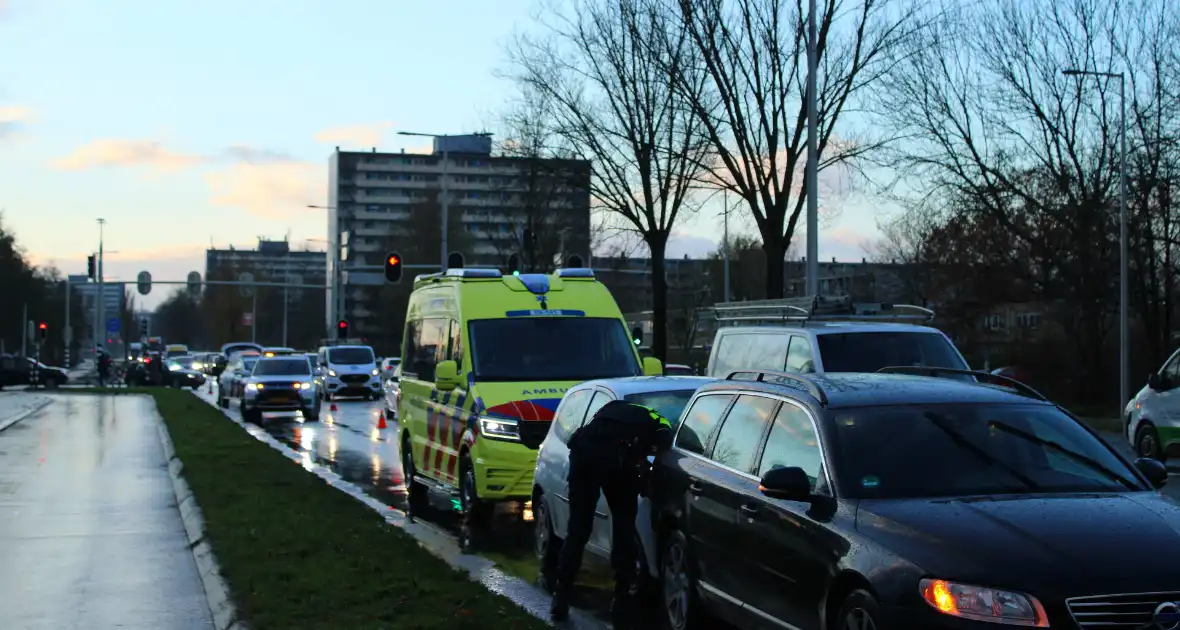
623	433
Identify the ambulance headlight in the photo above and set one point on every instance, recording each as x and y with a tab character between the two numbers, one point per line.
499	428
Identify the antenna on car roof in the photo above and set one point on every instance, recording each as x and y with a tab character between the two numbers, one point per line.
995	379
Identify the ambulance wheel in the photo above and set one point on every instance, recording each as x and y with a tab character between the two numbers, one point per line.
475	511
415	492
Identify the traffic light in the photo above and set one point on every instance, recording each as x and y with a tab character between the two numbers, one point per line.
144	325
574	262
91	267
514	264
393	273
342	329
455	260
43	330
637	335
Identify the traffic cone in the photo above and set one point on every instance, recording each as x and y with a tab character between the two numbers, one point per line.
332	407
381	421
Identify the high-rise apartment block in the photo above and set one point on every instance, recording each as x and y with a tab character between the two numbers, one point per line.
500	209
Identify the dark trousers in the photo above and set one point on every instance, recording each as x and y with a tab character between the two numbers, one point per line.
588	476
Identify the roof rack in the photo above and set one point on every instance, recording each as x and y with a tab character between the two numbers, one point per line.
816	309
995	379
796	381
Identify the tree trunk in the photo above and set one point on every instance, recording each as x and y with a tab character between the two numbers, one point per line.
658	243
776	253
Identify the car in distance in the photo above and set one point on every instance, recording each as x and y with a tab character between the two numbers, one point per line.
1152	417
280	383
667	395
891	500
349	370
231	383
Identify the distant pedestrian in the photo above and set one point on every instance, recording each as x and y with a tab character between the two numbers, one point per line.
104	366
609	456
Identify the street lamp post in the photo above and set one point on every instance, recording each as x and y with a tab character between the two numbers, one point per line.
99	329
1124	255
337	275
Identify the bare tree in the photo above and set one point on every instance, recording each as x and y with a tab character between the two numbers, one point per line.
995	131
607	70
549	217
753	108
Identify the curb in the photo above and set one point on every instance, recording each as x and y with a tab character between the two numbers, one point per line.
217	593
12	421
439	542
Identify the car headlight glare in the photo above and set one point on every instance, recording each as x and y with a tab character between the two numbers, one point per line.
331	372
302	385
501	428
981	603
376	371
254	386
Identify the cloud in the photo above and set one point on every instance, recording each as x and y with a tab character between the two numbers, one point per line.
134	153
252	155
13	117
369	135
273	191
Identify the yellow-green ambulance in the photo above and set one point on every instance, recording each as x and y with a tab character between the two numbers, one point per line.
486	358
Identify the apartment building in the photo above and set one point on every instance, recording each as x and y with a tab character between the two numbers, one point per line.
498	208
272	261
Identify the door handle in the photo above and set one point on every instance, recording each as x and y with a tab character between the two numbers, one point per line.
696	488
749	511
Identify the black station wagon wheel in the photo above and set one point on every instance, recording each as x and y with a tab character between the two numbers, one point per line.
860	611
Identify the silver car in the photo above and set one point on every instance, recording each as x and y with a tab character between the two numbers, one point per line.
667	395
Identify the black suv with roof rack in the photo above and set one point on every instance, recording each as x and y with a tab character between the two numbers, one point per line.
910	501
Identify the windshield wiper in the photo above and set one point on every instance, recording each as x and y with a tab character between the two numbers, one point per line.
1086	460
958	438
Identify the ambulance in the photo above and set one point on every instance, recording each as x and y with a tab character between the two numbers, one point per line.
486	359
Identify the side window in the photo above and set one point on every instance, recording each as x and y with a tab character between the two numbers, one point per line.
792	442
600	399
740	436
455	352
700	420
750	351
799	356
569	416
1171	372
411	342
430	344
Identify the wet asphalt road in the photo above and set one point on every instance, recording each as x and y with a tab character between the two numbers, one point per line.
90	533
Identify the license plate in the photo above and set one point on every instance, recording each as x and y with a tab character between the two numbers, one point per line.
280	399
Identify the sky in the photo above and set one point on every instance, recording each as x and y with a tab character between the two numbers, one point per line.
188	124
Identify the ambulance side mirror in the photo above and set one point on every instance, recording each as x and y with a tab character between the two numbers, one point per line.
446	376
653	367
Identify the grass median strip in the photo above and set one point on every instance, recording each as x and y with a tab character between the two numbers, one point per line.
298	554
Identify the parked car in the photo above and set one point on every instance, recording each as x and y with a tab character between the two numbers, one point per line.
1152	417
667	395
676	369
280	383
897	501
388	365
232	382
807	342
392	392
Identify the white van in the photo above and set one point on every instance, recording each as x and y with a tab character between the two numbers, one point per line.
349	370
